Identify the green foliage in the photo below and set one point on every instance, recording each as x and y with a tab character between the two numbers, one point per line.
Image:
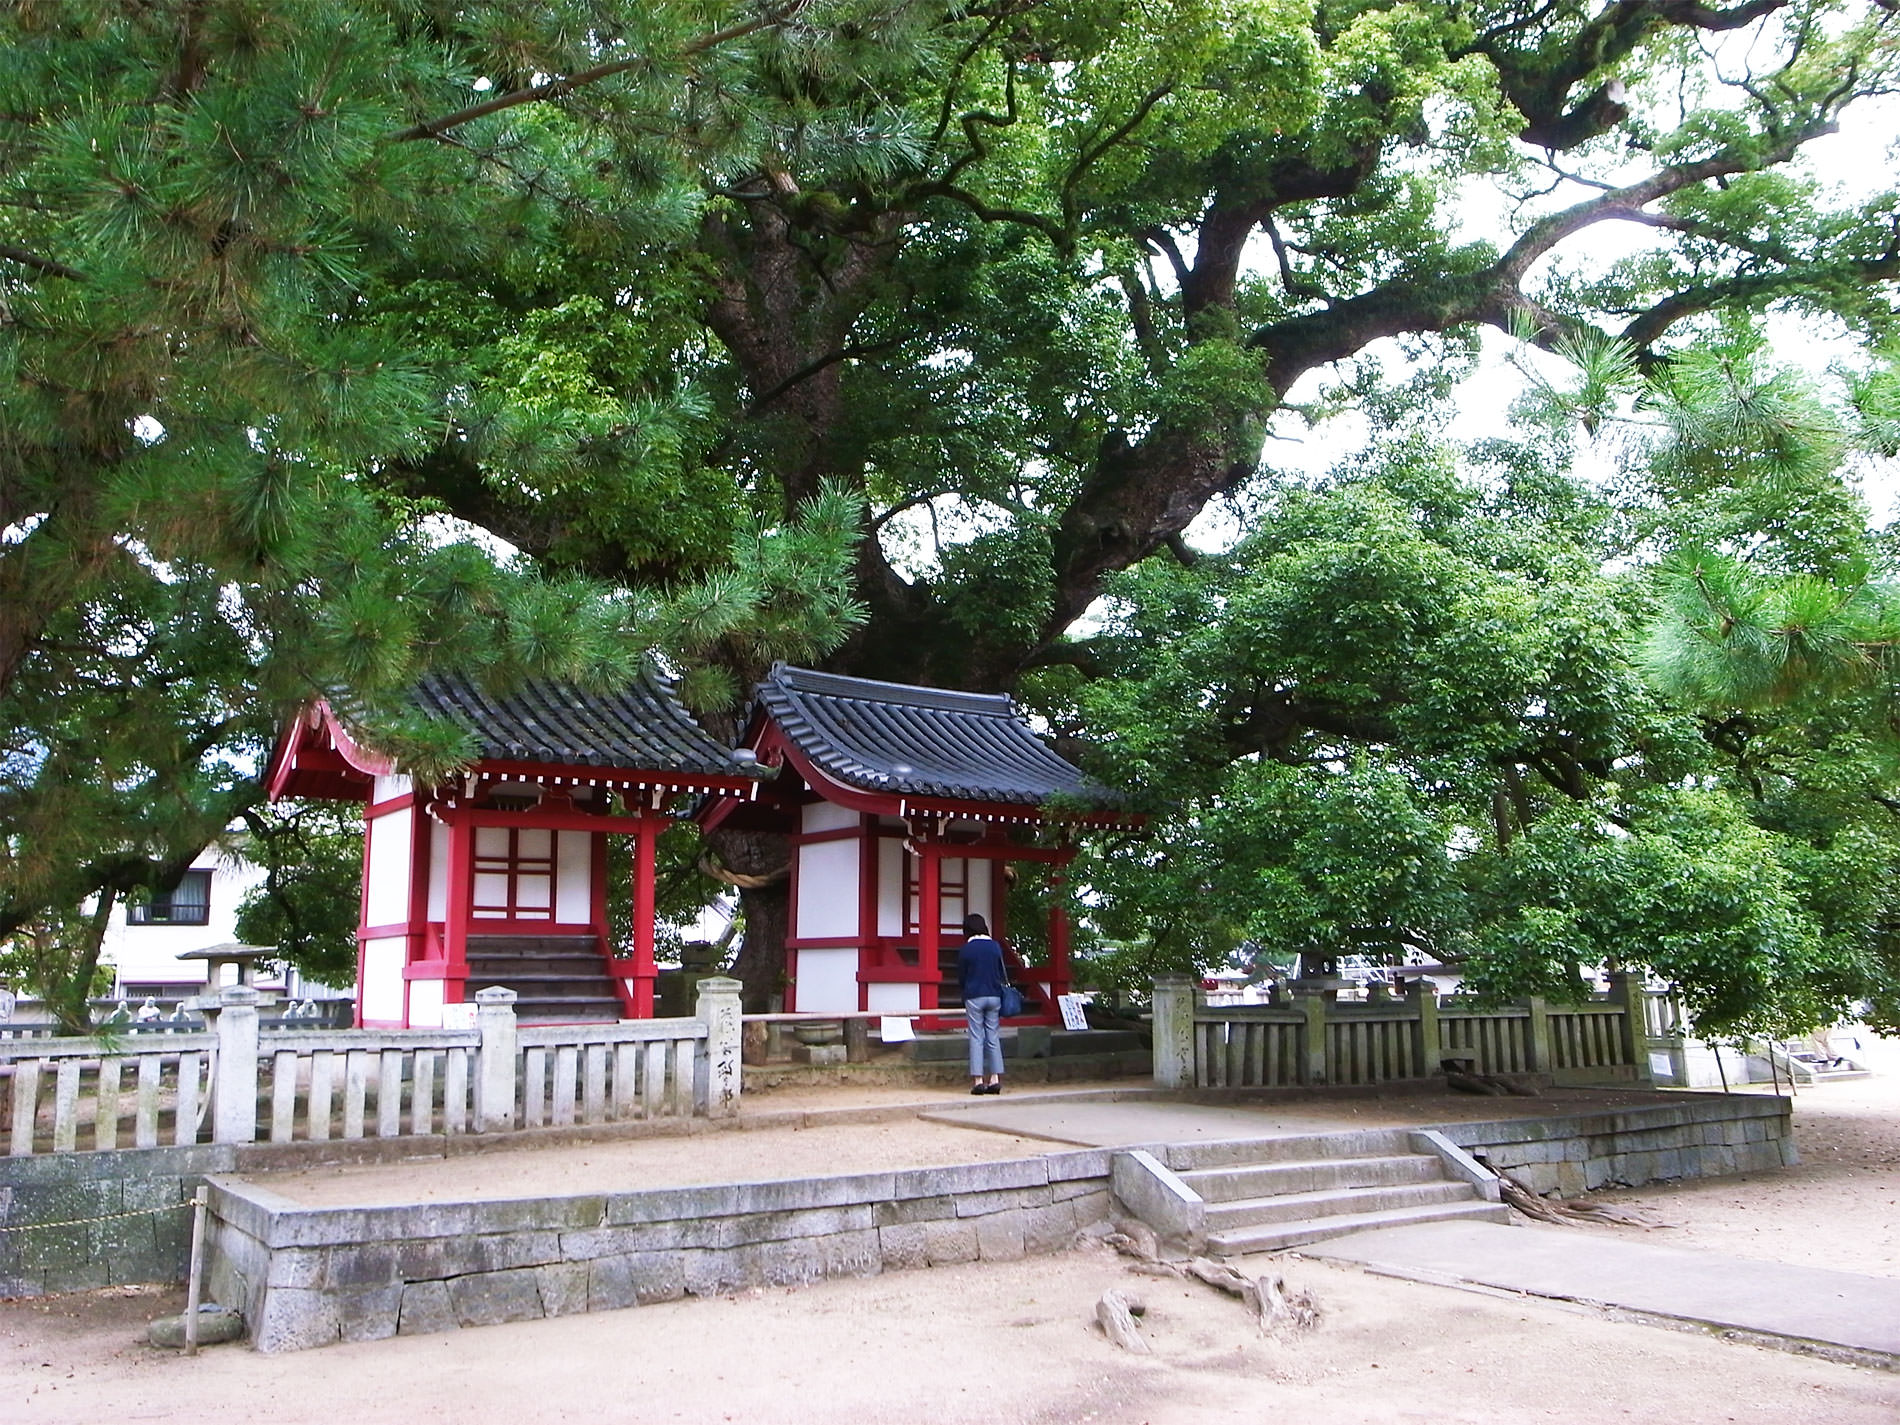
308	904
1681	883
247	326
1415	711
289	339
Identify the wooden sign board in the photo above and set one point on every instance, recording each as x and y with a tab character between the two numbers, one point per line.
1073	1016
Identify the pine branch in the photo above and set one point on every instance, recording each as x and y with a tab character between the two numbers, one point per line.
567	84
40	264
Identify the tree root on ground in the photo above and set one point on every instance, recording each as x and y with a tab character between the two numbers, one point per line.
1569	1214
1466	1082
1275	1310
1116	1311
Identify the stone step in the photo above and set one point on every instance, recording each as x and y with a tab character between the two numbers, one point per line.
1258	1180
540	974
1335	1202
1295	1148
557	979
479	944
1276	1237
591	1010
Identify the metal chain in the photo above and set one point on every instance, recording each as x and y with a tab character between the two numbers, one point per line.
108	1217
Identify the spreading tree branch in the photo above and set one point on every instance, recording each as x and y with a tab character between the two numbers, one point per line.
567	84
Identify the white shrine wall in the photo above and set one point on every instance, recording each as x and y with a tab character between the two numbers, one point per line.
826	980
425	1004
438	871
890	884
573	878
386	884
893	999
827	881
380	999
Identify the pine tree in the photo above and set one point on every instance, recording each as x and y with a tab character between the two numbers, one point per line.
199	204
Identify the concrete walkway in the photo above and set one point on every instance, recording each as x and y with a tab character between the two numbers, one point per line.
1807	1309
1097	1124
1117	1117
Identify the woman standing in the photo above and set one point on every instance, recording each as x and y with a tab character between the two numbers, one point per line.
981	972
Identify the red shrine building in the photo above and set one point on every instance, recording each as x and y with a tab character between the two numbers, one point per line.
500	876
907	809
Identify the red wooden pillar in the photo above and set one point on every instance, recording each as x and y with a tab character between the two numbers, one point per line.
644	971
929	923
461	899
870	949
362	912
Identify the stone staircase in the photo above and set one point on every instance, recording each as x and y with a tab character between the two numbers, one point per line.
557	979
1265	1195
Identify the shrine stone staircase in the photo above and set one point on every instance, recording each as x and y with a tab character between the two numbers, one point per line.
557	979
1229	1199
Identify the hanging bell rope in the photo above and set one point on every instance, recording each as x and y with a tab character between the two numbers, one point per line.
738	879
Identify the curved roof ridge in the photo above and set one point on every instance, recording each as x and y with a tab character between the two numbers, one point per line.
638	726
837	685
928	742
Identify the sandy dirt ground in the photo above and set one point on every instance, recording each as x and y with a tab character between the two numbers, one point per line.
813	1144
1013	1342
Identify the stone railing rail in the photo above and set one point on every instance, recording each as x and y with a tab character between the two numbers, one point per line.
1312	1039
235	1083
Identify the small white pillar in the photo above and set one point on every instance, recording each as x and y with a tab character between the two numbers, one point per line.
234	1091
1173	1024
495	1067
716	1091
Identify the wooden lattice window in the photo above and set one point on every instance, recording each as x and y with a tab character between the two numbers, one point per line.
513	873
953	894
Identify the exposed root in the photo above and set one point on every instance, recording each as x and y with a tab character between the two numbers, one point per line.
1116	1311
1465	1081
1568	1214
1285	1312
1275	1310
1133	1238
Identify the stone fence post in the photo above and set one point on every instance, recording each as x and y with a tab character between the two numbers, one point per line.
1540	1051
1423	996
234	1091
1316	1059
495	1060
1174	1001
1627	990
716	1087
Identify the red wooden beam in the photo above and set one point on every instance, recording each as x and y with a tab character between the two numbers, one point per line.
644	971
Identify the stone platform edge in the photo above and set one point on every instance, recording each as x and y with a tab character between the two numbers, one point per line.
308	1277
1701	1136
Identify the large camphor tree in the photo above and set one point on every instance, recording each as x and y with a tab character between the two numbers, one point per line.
1036	282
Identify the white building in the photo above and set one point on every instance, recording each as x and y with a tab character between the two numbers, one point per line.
143	942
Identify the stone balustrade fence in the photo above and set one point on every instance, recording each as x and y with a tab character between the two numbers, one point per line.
235	1083
1310	1040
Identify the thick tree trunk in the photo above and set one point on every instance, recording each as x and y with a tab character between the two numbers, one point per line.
760	864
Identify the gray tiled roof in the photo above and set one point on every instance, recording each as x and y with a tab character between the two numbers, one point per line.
641	726
921	742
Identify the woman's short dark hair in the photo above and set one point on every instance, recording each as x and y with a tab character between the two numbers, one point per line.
974	924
